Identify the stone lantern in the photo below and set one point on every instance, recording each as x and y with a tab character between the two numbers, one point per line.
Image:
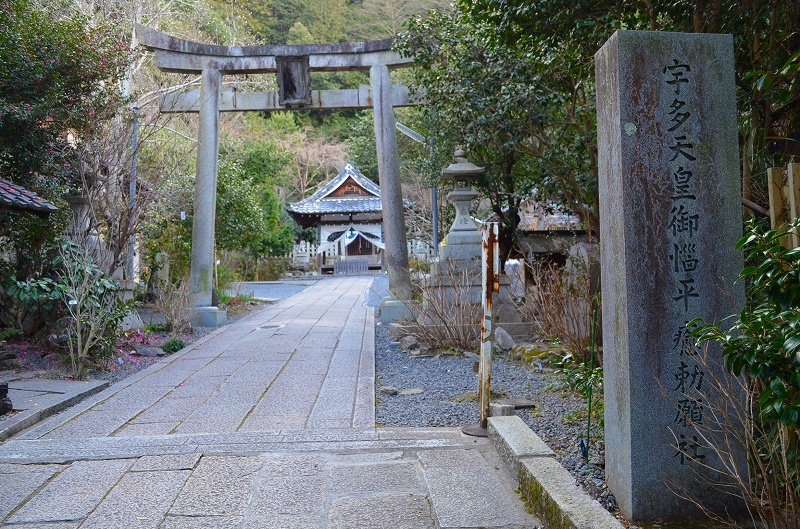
78	227
460	253
464	239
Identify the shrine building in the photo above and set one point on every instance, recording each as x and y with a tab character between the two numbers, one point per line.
348	216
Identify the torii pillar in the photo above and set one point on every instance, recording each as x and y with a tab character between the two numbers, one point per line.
201	271
394	229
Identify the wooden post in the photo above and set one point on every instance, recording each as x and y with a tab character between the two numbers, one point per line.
491	285
778	201
490	280
794	198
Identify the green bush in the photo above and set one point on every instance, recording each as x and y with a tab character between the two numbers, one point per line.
762	349
173	345
764	342
9	332
84	295
157	327
580	377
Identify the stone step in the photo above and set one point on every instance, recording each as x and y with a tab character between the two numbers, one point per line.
62	450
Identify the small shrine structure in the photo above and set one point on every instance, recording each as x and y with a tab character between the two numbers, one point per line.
347	214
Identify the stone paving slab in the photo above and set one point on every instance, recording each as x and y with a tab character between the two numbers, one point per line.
74	493
138	501
468	497
202	522
398	512
17	482
366	486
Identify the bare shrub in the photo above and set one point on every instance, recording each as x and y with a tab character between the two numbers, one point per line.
449	313
560	301
174	303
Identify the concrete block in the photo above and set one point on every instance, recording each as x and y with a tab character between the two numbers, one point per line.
209	317
500	410
393	310
514	441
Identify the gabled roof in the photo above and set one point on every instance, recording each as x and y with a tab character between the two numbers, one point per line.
18	198
349	192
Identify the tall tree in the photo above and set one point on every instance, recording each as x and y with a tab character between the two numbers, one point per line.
483	98
565	36
380	19
58	78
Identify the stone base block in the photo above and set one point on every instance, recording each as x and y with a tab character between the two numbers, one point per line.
500	410
393	310
454	251
209	317
132	321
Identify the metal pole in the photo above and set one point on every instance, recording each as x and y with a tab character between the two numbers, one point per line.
490	284
132	196
419	138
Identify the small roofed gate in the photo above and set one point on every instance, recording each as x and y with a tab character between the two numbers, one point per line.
293	65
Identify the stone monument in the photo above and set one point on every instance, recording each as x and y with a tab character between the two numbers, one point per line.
670	217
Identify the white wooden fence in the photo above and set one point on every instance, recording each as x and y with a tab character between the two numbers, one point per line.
306	252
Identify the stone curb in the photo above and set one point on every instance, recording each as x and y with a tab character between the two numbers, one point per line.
57	403
549	488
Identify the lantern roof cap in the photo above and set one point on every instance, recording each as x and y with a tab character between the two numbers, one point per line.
462	168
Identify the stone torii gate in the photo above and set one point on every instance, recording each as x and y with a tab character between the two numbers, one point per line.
292	64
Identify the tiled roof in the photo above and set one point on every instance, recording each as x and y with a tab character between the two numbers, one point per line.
336	205
18	198
321	203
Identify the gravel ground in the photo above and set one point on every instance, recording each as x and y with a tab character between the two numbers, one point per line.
449	386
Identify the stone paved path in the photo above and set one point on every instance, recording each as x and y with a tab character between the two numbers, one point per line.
265	423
